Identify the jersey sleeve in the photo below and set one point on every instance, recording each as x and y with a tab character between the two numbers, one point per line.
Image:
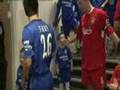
58	9
106	24
78	9
27	43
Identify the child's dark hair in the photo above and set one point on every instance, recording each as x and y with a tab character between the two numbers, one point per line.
30	7
58	37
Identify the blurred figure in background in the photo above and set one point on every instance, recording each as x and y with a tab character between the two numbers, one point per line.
21	83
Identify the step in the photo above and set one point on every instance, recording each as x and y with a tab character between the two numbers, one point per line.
111	63
77	72
73	79
79	69
110	60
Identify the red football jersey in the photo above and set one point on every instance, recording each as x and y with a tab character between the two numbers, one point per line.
116	75
91	33
117	13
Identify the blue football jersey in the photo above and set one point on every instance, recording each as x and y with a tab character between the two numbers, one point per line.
68	8
63	58
111	8
39	43
97	3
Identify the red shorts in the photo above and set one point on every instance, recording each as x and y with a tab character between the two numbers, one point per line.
95	78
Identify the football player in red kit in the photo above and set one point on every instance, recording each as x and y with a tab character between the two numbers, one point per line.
94	26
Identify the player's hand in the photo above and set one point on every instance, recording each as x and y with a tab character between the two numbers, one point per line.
68	40
113	86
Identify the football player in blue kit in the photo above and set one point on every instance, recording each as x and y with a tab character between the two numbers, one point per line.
70	15
64	63
39	44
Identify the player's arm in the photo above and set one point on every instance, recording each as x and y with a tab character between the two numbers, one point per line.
28	51
57	17
115	39
113	35
76	36
71	39
109	30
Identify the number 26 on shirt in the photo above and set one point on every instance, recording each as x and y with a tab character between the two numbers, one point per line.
47	46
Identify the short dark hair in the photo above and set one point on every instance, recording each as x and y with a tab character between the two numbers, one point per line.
30	7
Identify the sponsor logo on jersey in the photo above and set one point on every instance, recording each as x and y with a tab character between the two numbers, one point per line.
87	31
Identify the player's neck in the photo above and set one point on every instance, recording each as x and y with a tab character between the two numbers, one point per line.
33	17
89	8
